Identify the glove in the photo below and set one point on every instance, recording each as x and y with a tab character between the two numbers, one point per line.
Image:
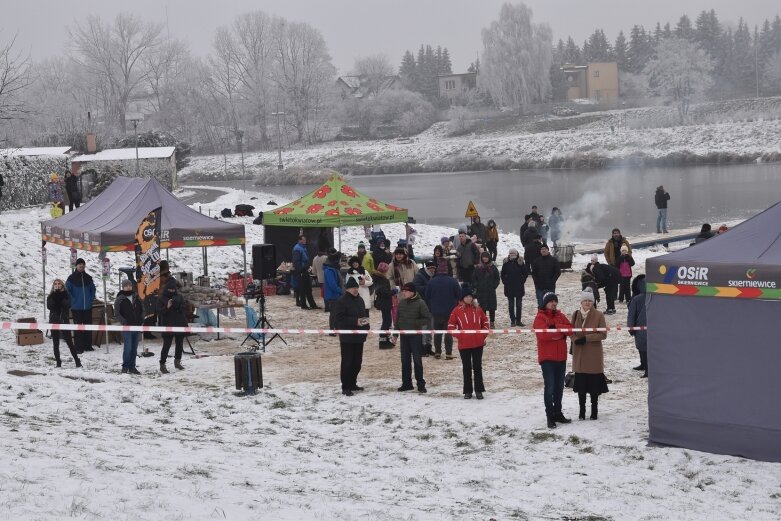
580	341
552	326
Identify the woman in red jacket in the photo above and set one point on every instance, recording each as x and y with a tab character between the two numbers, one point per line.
469	316
552	355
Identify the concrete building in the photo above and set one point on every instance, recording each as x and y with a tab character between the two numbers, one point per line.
454	86
595	81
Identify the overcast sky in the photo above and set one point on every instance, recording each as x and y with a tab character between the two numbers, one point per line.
355	28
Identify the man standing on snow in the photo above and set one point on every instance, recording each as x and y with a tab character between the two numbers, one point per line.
349	312
81	290
660	198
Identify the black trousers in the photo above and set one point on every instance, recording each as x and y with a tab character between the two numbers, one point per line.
465	274
491	247
82	339
624	291
352	358
610	295
167	339
515	304
472	360
411	349
66	336
304	296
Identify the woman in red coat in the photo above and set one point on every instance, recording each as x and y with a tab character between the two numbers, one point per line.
469	316
552	355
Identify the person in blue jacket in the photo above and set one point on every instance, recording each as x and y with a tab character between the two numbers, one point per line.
81	292
334	284
302	275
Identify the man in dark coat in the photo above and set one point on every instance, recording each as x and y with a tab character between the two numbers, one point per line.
479	229
81	291
72	189
421	280
636	317
349	312
129	312
468	256
608	277
442	295
413	314
660	198
171	313
302	268
545	273
514	275
532	252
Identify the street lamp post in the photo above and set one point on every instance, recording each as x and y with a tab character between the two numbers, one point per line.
279	137
135	118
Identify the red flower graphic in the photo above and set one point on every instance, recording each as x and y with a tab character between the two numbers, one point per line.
332	203
352	211
314	208
321	192
374	206
333	212
391	207
283	211
343	203
348	191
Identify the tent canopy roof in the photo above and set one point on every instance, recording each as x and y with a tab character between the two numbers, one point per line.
110	221
335	203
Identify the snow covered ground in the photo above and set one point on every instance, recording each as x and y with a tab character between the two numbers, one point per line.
95	444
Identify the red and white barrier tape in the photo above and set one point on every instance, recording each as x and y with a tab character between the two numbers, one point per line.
299	331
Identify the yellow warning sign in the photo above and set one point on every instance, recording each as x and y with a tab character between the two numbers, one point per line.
471	210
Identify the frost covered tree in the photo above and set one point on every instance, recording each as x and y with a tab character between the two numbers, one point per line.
517	56
376	69
680	72
113	56
772	74
14	78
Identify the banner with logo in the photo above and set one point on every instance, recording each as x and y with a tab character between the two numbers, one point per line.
713	280
148	253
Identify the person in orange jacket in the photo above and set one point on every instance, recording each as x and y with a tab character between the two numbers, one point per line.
468	315
552	355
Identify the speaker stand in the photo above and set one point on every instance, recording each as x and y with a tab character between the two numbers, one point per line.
262	323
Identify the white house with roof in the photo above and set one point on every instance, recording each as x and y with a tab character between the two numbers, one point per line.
158	162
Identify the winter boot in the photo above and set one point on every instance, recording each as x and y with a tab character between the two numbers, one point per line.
78	363
163	368
178	363
560	418
582	402
551	422
594	408
59	363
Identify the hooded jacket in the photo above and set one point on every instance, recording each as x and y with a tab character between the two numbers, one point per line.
514	275
466	317
551	346
81	290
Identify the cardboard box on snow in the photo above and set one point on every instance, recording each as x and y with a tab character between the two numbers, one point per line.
28	337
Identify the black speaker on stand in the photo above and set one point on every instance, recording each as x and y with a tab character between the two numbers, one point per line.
264	266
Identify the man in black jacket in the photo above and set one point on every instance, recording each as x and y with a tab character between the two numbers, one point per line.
660	198
545	273
608	277
349	312
129	312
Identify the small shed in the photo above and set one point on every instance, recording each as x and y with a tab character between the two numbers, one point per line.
157	162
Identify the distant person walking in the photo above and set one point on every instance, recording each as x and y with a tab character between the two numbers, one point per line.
660	198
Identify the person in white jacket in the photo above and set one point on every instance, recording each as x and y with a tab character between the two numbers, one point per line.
364	280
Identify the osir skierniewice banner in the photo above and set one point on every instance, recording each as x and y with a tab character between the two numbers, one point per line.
148	253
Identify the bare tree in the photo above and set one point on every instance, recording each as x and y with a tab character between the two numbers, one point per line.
164	67
517	57
772	74
680	72
224	78
14	78
375	69
114	56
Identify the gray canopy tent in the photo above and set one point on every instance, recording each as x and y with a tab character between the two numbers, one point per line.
713	342
108	223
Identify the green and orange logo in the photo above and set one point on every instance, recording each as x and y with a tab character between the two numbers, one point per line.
751	273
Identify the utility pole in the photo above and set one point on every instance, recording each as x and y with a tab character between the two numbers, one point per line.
756	66
240	135
279	137
135	118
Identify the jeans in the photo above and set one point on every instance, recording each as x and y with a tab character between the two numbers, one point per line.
472	359
440	322
541	293
167	346
661	221
352	358
553	376
411	354
130	340
515	304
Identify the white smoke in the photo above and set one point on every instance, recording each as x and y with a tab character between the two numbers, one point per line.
579	218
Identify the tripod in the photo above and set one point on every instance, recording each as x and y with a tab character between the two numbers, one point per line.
262	323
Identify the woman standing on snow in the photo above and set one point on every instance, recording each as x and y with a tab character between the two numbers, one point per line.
485	280
469	316
58	305
587	355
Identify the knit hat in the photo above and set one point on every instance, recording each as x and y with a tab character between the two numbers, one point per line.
383	267
351	283
431	263
361	246
486	255
402	242
587	294
624	249
80	261
409	287
513	251
443	240
127	282
441	266
594	258
466	291
549	296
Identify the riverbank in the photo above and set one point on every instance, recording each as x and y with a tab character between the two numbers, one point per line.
590	147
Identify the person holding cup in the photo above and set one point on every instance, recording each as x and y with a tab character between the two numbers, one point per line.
349	312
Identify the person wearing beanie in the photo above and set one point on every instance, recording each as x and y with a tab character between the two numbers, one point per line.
367	261
413	314
552	355
625	263
381	254
514	275
171	310
439	258
469	316
58	304
349	312
81	293
442	295
334	285
358	272
531	233
613	247
485	280
588	355
128	311
545	272
383	301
